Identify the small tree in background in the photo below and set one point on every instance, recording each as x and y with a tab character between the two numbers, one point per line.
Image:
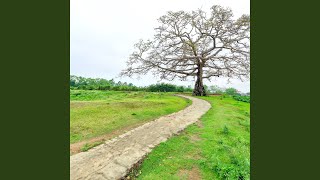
232	91
216	89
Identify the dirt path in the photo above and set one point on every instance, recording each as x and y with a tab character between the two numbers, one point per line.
113	159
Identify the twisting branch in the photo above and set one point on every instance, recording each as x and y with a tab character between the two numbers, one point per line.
195	43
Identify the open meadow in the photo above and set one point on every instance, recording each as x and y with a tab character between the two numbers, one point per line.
216	147
110	113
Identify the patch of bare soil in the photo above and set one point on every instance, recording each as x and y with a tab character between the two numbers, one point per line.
194	138
195	156
193	174
76	147
199	124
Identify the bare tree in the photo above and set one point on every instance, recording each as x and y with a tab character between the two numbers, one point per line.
195	44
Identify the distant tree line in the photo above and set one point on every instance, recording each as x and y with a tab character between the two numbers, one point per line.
228	91
237	95
164	87
82	83
78	82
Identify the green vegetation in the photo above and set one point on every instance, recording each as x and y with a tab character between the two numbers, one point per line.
78	82
94	113
88	146
231	91
242	98
218	147
215	89
164	87
82	83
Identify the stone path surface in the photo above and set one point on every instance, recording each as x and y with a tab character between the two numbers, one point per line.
113	159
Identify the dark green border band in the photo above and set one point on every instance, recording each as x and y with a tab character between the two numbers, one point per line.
284	90
35	89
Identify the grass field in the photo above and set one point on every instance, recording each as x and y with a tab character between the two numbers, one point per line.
218	147
95	113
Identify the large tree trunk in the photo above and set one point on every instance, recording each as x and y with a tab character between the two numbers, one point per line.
198	87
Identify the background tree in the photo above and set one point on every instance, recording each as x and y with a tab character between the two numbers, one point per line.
232	91
195	44
216	89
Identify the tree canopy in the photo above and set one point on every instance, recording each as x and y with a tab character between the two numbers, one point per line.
195	44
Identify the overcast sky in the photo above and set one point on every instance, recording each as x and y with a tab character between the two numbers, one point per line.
103	34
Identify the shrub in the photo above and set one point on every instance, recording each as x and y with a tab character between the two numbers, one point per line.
232	91
242	98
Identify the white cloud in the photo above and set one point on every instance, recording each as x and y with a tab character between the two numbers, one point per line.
103	33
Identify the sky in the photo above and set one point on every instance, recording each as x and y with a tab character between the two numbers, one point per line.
102	35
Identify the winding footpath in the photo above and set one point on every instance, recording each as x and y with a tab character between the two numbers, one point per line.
113	159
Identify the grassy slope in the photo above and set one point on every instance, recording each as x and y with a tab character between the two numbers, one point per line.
93	113
218	148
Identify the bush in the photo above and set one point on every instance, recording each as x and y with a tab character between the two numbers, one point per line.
242	98
232	91
164	87
215	89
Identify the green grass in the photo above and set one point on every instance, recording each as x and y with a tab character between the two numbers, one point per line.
88	146
218	148
95	113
